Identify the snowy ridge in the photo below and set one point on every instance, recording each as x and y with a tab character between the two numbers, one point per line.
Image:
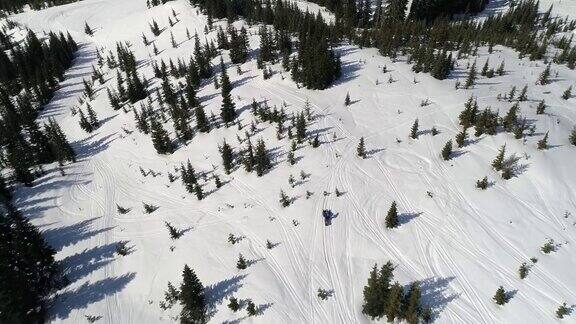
461	243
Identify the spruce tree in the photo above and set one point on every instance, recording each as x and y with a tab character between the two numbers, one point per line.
498	161
543	143
192	299
261	158
543	79
541	107
414	130
447	151
88	30
411	310
500	297
523	270
227	157
233	304
284	199
394	302
572	137
361	150
160	138
373	305
461	137
392	216
227	112
562	311
242	263
198	192
174	233
471	76
567	94
347	100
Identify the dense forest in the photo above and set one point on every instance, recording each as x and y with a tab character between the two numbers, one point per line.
29	74
15	6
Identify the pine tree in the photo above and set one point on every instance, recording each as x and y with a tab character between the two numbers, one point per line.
198	192
92	119
251	308
361	150
392	216
541	107
523	270
160	138
461	137
447	151
572	137
411	310
192	299
233	304
261	159
562	311
174	233
500	297
414	130
84	123
567	94
227	112
394	302
545	75
471	76
242	263
482	184
284	199
347	100
88	30
498	161
373	305
523	94
227	157
543	143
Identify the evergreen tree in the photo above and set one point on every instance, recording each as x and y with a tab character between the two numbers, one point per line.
198	192
414	130
447	151
482	184
541	107
228	112
498	161
88	30
227	157
174	233
562	311
251	308
373	305
192	299
471	76
500	297
572	137
543	79
411	310
567	94
261	159
523	270
543	143
233	304
284	199
392	216
160	138
242	263
461	137
361	150
394	302
347	100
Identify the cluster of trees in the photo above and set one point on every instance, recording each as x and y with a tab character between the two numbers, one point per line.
316	66
384	298
15	6
27	81
29	275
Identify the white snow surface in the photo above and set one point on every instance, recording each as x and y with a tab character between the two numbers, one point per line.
461	243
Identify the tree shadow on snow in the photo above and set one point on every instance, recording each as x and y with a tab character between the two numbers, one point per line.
61	237
436	293
407	217
80	265
89	293
218	292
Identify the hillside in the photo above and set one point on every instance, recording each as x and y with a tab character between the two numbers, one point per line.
461	243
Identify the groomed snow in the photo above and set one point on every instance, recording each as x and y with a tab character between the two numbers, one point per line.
461	244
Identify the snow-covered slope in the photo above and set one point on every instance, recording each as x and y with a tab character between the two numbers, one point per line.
461	243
